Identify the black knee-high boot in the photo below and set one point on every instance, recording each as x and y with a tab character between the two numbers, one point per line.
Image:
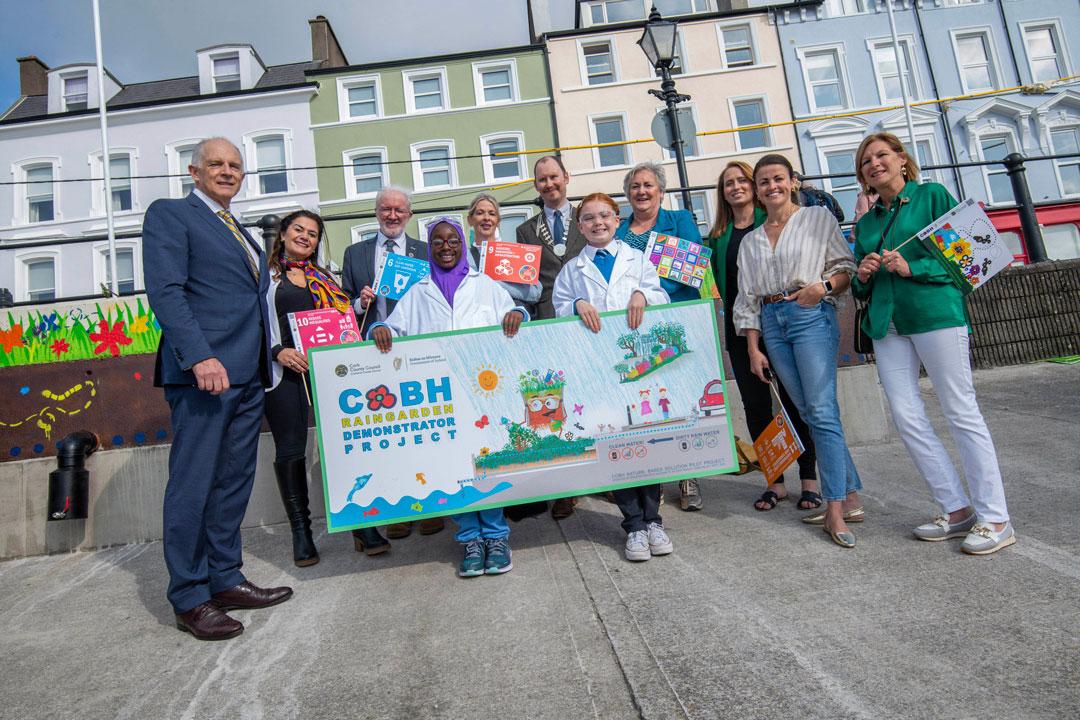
292	482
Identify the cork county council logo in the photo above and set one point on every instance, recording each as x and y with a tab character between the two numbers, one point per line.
341	371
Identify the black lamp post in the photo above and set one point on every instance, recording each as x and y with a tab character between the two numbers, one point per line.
658	44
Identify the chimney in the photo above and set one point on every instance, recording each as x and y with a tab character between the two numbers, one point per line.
33	76
325	49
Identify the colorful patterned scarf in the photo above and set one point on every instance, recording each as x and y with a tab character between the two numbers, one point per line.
324	291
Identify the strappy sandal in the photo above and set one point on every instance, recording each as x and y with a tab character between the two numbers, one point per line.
770	498
811	497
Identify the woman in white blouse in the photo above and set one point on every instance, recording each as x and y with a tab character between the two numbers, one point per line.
791	270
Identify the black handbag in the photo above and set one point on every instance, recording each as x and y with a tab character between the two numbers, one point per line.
863	343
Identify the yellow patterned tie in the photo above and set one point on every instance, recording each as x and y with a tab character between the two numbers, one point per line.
231	222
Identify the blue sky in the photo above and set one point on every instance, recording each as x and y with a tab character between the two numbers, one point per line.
154	39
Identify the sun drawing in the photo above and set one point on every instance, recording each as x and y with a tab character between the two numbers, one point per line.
487	380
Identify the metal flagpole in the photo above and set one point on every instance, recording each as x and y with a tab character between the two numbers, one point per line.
904	89
106	158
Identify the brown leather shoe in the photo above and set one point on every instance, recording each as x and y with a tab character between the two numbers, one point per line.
207	622
430	526
396	531
246	596
563	508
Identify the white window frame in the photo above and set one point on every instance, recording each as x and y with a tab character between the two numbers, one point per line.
583	68
841	69
80	74
344	84
421	227
97	187
489	170
418	172
830	8
755	59
1056	33
992	61
22	272
239	69
989	132
347	158
407	78
101	255
172	160
1069	124
907	46
828	185
356	232
710	215
478	70
514	211
928	175
252	183
626	136
680	53
764	100
21	208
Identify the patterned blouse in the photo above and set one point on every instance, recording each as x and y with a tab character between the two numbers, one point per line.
810	249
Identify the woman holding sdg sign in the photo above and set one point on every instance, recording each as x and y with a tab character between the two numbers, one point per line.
484	217
737	215
916	317
791	270
297	284
644	187
455	297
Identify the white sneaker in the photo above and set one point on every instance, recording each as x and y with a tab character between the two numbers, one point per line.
941	529
637	546
983	539
659	542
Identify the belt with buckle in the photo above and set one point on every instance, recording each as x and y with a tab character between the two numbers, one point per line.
777	297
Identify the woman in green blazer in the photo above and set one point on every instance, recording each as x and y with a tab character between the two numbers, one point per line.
916	317
736	216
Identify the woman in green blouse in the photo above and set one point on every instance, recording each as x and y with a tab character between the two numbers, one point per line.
916	317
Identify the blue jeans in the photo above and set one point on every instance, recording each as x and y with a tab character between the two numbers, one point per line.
802	343
486	524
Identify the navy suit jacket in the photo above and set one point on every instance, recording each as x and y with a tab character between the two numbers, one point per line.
200	287
358	272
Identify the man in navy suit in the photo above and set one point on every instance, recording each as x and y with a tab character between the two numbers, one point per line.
207	280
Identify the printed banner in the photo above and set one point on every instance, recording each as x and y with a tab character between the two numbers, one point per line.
967	243
316	328
453	422
401	272
777	447
680	260
511	262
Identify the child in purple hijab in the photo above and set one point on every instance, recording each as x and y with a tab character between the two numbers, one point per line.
447	280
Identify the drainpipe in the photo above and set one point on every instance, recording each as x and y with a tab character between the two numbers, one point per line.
953	157
69	482
787	92
1008	39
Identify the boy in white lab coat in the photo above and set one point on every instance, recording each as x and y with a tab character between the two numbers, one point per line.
607	275
454	297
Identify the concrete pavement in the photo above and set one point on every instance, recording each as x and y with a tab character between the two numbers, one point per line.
755	614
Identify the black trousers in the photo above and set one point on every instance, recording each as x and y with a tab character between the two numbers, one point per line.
758	405
640	506
287	414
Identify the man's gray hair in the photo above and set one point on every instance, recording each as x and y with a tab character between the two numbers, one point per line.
656	170
393	189
199	151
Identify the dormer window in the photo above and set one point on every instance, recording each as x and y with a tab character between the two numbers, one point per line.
227	73
76	88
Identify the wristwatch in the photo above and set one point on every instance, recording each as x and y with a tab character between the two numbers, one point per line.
828	286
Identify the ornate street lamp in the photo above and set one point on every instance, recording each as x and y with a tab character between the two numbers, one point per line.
658	42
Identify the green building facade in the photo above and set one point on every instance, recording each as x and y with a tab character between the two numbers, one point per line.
433	125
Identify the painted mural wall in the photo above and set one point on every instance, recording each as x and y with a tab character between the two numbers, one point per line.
84	365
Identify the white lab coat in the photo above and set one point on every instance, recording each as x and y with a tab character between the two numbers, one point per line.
580	279
478	302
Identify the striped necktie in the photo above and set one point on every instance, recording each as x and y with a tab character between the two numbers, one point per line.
230	221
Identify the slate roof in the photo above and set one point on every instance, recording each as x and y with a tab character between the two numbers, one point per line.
160	92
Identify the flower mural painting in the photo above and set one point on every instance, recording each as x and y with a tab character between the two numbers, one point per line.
109	339
139	325
12	338
59	347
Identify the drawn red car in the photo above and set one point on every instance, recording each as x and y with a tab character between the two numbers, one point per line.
712	398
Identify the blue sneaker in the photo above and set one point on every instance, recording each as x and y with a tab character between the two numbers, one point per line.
498	556
472	565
